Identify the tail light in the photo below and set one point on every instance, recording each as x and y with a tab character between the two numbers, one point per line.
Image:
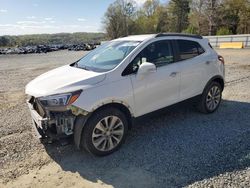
221	59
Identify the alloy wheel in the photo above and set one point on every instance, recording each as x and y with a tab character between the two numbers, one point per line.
213	98
108	133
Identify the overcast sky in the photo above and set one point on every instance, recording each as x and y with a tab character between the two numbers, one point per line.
52	16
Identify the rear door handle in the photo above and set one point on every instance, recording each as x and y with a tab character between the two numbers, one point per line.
173	74
208	62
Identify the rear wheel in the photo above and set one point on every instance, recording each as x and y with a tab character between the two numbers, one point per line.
105	131
211	98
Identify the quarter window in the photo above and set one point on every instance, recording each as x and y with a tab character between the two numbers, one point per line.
189	49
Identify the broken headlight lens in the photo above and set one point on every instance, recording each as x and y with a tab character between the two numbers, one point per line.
59	100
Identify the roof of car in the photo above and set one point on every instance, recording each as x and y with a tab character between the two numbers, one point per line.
149	36
179	35
137	37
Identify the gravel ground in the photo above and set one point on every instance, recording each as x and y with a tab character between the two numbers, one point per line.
177	147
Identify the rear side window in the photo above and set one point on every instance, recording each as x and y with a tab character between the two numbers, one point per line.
189	49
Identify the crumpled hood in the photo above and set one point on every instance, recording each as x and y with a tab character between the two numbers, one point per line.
62	80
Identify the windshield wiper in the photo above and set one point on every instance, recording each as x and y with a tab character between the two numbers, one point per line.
82	67
76	64
85	68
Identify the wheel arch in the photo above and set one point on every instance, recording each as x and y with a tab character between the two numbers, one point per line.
219	79
201	103
82	120
120	106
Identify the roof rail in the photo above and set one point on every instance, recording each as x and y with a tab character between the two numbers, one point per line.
178	35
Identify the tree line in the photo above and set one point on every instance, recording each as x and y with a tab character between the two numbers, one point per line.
48	39
204	17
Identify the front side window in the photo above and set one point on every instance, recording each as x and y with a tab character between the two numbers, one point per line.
107	56
160	53
189	49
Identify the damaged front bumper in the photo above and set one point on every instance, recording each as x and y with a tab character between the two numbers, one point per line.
53	124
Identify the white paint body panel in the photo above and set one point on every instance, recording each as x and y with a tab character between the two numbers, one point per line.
62	80
119	91
193	76
156	90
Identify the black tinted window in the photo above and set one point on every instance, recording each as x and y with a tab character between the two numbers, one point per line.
160	53
189	49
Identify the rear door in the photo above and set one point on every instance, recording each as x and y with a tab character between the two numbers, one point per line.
193	63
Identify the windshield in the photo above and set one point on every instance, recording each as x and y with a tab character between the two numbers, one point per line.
107	56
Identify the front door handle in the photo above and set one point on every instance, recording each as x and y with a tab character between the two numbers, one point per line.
208	62
173	74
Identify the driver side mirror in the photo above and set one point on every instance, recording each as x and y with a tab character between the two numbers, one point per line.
146	68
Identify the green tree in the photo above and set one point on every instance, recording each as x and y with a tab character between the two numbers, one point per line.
223	31
178	12
118	18
244	23
235	15
4	41
197	17
146	19
61	38
150	7
211	12
163	20
191	30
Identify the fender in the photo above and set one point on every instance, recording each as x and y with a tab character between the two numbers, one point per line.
78	127
113	101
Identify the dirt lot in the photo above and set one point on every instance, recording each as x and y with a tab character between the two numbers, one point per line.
175	148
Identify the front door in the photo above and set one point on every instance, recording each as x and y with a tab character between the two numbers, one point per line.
156	90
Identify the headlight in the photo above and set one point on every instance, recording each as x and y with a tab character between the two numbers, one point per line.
60	99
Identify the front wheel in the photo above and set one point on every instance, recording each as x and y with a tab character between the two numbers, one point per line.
105	131
211	98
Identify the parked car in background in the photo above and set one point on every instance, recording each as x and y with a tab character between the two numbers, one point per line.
77	47
90	46
96	99
48	48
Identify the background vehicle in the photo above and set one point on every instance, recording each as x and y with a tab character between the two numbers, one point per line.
48	48
96	98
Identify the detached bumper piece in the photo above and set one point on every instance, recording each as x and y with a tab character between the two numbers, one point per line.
51	125
39	123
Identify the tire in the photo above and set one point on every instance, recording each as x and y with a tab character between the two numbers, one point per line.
211	98
104	132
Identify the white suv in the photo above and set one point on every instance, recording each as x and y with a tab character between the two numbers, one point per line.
96	98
